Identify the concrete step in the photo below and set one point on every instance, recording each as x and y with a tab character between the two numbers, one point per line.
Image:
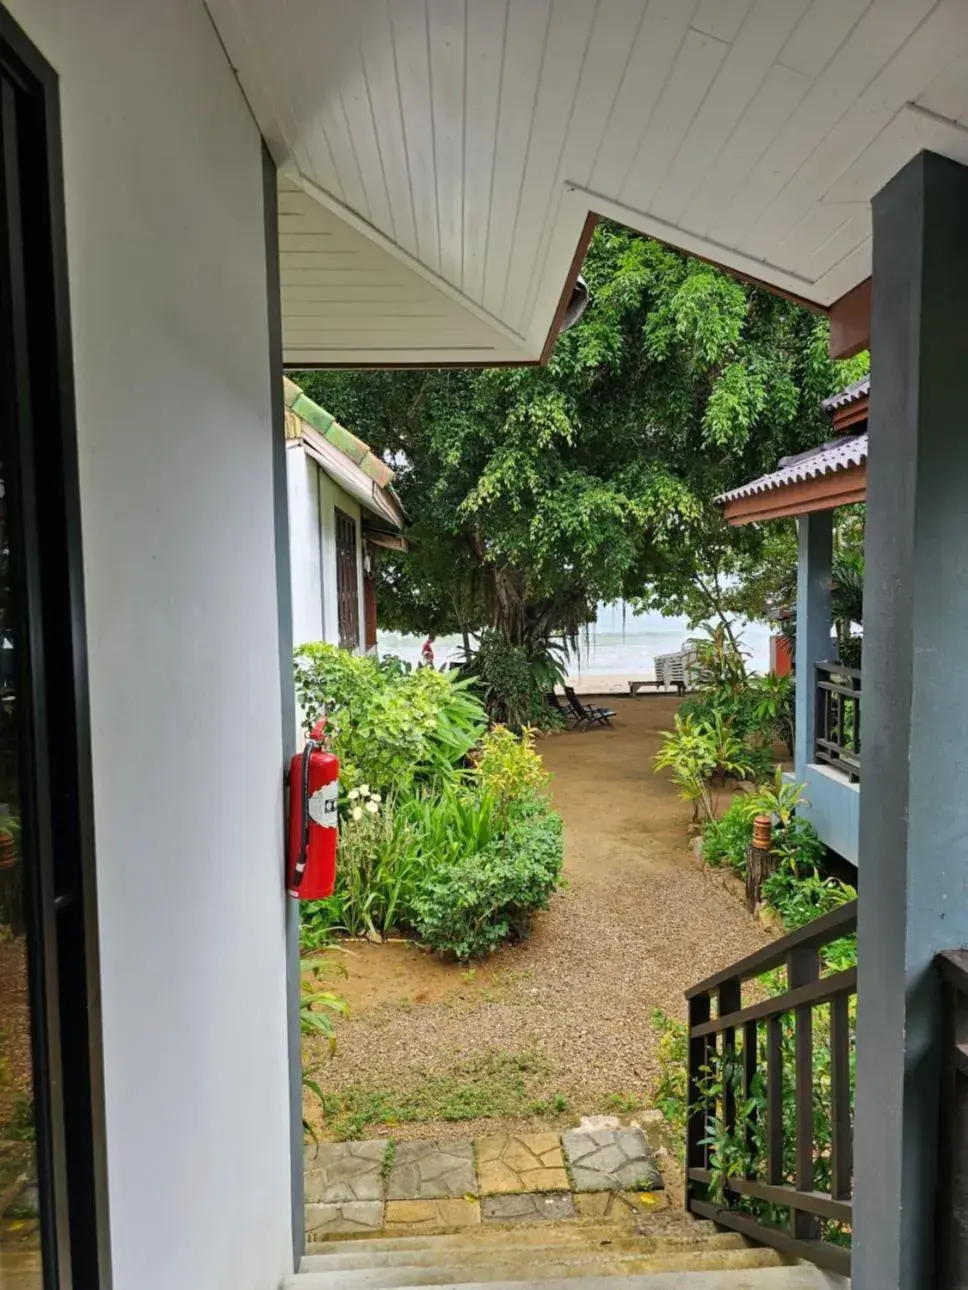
773	1278
666	1224
561	1264
350	1257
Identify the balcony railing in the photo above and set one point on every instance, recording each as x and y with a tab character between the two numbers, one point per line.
772	1103
838	718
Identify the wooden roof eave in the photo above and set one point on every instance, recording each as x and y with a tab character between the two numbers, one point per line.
802	497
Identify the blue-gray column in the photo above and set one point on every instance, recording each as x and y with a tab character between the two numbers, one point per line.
815	543
913	800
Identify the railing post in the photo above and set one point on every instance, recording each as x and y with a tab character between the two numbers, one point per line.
697	1154
729	998
841	1138
803	966
821	729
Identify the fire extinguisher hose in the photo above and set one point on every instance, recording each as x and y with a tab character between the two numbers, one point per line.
300	866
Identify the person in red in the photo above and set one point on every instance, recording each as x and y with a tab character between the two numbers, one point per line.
427	652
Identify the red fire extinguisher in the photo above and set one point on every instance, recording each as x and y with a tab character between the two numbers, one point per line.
313	792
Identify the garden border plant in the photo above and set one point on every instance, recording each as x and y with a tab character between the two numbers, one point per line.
447	833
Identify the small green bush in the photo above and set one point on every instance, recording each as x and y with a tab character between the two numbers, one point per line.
724	841
389	727
470	906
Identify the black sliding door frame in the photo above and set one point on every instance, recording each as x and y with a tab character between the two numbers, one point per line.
43	514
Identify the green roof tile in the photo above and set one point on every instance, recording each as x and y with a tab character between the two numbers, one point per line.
325	424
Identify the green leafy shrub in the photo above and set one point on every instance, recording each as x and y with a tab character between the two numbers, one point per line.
724	841
508	767
468	907
389	727
701	755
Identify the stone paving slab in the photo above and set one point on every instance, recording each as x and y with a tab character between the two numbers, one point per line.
527	1162
344	1171
619	1204
611	1160
339	1219
403	1216
431	1170
525	1208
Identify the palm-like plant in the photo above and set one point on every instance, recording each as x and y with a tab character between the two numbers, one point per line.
778	799
702	755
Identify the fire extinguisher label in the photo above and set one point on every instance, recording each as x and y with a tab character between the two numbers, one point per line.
322	805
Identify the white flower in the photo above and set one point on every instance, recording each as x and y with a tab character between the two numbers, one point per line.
353	794
376	797
372	807
364	790
357	812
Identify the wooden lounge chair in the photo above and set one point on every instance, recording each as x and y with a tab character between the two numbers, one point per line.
570	718
591	716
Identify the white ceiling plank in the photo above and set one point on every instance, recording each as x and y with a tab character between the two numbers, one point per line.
871	43
852	233
355	101
700	57
324	261
319	356
911	130
820	33
567	44
486	26
614	32
325	212
524	48
410	40
853	133
446	19
336	136
947	94
297	309
661	33
874	41
691	244
720	18
379	69
315	158
941	36
744	68
825	221
779	94
845	275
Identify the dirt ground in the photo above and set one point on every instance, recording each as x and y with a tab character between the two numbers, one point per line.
637	923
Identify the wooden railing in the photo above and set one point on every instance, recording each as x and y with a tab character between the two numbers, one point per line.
952	1188
838	718
741	1060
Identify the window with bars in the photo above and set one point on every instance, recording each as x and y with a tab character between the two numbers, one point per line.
347	587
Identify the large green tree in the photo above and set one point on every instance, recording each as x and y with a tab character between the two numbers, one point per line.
537	492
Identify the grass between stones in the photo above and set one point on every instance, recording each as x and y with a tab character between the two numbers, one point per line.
494	1085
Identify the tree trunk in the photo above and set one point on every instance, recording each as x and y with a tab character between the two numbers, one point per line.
761	860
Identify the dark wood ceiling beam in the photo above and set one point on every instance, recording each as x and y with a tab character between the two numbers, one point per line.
850	322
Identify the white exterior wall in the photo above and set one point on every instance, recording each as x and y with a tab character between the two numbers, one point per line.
167	274
313	498
302	482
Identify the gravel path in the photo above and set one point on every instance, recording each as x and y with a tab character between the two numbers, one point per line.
637	924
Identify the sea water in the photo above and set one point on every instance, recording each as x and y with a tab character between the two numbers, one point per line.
620	646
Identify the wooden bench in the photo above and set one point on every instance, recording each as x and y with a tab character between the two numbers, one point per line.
636	686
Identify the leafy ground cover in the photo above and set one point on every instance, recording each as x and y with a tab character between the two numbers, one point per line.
446	830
